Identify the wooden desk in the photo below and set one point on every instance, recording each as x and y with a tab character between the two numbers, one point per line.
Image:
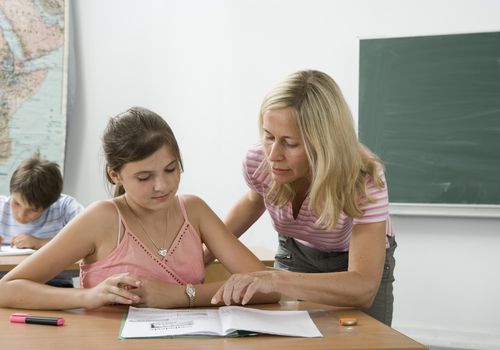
8	262
99	330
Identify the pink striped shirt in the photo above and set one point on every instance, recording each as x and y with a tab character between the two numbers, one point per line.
304	228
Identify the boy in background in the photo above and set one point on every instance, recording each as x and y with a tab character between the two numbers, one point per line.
36	210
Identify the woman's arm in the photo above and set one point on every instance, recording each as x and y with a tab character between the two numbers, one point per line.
243	215
356	287
245	212
24	286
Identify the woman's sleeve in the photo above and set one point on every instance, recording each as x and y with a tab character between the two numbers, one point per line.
376	210
252	169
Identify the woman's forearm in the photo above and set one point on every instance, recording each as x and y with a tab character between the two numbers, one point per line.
207	290
334	288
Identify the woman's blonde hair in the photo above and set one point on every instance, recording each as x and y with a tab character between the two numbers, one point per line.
338	162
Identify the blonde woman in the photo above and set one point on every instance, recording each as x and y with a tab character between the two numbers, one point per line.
327	196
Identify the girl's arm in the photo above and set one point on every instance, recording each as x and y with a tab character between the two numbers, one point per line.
83	237
233	254
356	287
235	257
243	215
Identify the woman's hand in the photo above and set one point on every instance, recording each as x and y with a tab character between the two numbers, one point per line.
243	286
114	290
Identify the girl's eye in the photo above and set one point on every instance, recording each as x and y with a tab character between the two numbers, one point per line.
170	170
143	178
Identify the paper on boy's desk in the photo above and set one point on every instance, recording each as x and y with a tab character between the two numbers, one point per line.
8	250
224	321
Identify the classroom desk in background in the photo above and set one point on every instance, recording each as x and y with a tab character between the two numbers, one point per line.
99	329
8	262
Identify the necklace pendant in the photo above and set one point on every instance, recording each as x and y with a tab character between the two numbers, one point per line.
162	252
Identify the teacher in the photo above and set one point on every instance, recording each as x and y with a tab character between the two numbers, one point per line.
327	197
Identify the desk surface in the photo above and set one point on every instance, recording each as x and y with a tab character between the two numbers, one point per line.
8	262
99	330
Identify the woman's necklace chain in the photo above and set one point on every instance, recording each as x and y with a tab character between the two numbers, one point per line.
160	250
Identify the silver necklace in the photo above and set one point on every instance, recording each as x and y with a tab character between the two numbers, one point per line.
160	250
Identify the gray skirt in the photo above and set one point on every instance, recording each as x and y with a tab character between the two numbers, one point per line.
293	256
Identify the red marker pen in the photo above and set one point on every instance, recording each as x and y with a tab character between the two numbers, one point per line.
25	318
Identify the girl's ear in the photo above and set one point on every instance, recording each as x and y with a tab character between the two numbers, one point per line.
114	176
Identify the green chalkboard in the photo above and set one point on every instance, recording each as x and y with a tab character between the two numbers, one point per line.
430	108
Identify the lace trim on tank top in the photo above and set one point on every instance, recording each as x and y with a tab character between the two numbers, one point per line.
163	261
123	227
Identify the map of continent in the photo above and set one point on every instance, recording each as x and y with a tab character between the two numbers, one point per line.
32	83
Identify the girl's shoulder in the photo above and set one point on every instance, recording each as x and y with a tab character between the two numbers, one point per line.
102	205
195	207
100	212
97	221
192	202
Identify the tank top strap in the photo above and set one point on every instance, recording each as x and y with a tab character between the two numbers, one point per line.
183	208
120	225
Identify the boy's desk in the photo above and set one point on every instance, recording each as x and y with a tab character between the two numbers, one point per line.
99	330
8	262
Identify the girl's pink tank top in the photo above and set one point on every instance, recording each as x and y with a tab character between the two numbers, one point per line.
183	263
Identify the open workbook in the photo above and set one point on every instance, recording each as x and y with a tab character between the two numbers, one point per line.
226	321
6	250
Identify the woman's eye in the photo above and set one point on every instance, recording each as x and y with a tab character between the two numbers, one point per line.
291	145
143	178
170	170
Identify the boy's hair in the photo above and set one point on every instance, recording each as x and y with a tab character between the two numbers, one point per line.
135	135
38	181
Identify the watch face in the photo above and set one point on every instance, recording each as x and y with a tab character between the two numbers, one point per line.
191	292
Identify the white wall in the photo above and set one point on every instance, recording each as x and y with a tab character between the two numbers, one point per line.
205	66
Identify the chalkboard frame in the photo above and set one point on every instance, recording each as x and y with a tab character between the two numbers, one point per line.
413	207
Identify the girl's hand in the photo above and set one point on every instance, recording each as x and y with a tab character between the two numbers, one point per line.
155	293
242	287
114	290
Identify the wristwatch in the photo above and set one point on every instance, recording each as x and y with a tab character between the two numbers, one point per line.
191	294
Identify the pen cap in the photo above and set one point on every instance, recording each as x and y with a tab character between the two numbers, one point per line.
18	318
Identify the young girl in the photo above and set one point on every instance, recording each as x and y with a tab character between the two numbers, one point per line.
143	247
327	196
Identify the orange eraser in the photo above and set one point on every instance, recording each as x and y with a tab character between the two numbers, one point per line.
348	321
